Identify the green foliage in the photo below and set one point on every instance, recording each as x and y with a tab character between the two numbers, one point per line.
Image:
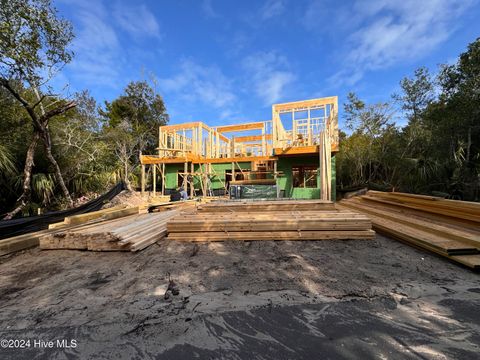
32	38
131	125
140	111
437	151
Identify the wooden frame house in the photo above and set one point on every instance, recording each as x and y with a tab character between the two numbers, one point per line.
292	154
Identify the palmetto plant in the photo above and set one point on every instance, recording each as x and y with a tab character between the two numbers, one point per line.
7	165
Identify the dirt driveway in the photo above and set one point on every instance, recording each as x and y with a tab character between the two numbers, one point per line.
267	300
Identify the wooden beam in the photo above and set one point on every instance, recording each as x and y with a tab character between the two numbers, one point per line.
186	126
305	104
252	138
236	159
241	127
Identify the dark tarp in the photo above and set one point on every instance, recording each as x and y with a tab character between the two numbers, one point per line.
25	225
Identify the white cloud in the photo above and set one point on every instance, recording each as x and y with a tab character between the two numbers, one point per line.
383	33
195	83
269	75
272	8
208	9
97	57
138	21
100	57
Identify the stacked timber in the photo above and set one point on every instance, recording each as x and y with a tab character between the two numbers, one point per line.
449	228
131	233
25	241
282	224
266	205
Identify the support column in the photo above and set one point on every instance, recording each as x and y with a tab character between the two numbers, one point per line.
143	180
163	179
185	176
191	184
154	180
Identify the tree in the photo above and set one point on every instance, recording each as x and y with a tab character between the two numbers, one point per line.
33	47
132	122
417	93
369	123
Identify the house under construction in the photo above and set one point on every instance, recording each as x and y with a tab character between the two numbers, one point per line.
290	156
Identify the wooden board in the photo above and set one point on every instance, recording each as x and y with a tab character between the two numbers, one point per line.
131	233
420	229
280	235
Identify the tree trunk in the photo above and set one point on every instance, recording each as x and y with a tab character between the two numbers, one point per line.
125	177
24	199
47	144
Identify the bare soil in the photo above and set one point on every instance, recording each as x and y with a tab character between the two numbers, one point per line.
237	300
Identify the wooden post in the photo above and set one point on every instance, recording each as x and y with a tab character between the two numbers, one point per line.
194	142
191	184
154	180
185	175
276	177
143	180
163	179
200	140
264	148
309	130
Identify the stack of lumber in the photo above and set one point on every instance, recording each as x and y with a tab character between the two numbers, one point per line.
266	205
269	225
449	228
131	233
25	241
100	215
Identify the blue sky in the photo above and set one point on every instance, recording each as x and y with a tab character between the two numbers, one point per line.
222	61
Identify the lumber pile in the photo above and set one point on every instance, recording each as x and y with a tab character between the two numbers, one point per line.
100	215
131	233
449	228
266	206
269	220
25	241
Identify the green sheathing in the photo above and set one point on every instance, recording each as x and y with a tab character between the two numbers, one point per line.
219	169
285	182
171	171
334	178
285	165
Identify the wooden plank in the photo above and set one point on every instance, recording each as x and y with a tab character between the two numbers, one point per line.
443	244
106	214
242	139
240	127
424	225
436	202
131	233
304	104
285	235
456	214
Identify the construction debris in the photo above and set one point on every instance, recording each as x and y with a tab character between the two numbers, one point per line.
446	227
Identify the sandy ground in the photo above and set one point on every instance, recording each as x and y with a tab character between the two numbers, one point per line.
241	300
